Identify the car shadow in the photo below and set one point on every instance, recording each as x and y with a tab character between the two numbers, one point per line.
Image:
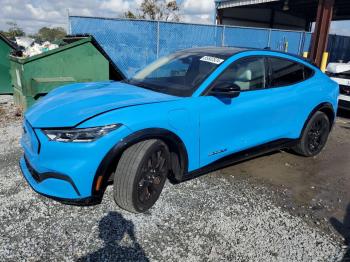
119	239
343	228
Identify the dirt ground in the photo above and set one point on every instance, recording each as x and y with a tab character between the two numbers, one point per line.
279	207
318	186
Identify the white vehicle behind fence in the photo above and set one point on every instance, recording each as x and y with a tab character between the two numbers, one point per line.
340	73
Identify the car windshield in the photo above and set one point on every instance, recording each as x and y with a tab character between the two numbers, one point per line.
179	74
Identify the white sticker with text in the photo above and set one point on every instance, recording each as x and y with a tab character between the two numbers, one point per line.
211	59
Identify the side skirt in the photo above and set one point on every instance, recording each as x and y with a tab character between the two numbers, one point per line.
240	157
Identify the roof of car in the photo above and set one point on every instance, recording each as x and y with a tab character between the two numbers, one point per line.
224	51
230	51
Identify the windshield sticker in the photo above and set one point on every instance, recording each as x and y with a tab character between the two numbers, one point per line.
211	59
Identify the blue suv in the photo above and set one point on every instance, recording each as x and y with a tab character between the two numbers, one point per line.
184	115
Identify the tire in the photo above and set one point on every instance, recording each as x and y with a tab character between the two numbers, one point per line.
314	136
140	175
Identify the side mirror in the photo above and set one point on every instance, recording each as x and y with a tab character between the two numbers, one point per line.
225	89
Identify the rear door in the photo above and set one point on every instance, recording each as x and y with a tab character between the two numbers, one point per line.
290	83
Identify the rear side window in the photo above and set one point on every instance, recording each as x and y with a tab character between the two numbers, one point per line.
286	72
308	72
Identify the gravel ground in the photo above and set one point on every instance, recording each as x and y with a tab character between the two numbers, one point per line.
217	217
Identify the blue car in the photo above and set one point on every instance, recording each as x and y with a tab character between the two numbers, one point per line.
182	116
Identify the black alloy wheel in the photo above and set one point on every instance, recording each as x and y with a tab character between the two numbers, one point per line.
141	174
317	135
152	178
314	136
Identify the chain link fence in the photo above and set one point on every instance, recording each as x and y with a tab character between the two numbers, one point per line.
132	44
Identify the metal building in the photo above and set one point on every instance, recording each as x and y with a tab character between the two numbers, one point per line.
286	14
262	13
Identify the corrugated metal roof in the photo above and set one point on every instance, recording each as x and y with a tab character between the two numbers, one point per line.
233	3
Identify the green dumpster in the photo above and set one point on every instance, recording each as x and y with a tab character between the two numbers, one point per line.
81	59
6	47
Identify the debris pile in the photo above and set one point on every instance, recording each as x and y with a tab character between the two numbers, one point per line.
28	47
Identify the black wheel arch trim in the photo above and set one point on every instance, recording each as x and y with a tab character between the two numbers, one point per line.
109	162
326	108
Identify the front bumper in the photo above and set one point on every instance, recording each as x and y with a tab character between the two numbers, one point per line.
65	171
35	179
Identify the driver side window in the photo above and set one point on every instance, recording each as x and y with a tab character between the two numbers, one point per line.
248	74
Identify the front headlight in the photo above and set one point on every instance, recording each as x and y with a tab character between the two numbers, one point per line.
79	134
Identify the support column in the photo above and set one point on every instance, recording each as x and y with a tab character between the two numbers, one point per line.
320	36
219	14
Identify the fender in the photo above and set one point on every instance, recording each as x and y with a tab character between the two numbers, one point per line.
326	108
110	161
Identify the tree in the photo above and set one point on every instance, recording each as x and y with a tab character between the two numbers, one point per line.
130	15
157	10
50	34
172	10
13	31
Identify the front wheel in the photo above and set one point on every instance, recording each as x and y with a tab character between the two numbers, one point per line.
314	136
140	175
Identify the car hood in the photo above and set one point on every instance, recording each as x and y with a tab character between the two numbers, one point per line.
72	104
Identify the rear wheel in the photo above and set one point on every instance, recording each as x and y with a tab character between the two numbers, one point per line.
140	175
314	136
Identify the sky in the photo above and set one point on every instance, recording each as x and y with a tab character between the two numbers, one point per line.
34	14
